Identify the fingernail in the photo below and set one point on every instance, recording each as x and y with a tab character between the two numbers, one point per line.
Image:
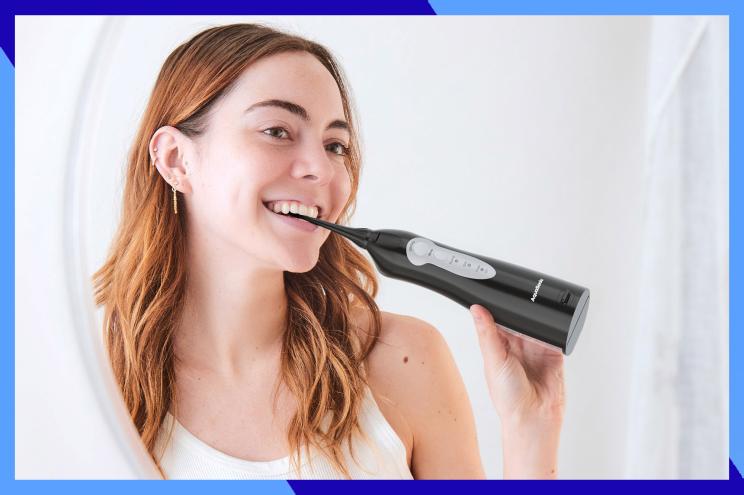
475	314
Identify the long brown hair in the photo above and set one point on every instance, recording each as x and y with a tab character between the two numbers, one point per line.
142	283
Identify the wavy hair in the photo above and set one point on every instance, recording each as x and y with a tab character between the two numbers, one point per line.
142	283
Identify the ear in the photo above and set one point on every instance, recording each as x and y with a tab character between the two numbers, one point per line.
174	157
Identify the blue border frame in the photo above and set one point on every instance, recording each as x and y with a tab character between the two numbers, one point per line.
732	8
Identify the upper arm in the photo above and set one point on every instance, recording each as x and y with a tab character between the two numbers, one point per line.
413	367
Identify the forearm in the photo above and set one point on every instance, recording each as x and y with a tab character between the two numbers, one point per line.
531	450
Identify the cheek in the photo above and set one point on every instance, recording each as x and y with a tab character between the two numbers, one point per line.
260	154
247	155
226	196
344	186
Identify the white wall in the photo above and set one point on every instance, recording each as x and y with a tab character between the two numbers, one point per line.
518	138
65	422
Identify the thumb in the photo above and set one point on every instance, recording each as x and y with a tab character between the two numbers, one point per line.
493	342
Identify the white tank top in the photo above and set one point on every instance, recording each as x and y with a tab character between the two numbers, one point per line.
184	456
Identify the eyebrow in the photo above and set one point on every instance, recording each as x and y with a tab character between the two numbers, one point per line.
297	110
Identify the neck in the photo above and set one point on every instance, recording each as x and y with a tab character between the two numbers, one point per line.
234	314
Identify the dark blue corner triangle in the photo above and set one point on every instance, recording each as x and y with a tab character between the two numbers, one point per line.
7	36
734	473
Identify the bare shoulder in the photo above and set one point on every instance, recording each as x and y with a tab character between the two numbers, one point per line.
402	339
407	352
419	389
411	362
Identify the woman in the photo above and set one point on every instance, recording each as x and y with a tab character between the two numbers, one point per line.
247	345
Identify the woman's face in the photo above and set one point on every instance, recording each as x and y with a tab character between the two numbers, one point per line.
255	151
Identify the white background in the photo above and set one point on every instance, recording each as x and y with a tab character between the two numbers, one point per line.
518	138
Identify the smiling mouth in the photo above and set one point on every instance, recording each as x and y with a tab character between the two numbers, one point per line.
321	213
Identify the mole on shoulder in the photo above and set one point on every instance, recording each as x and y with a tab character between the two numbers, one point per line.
405	359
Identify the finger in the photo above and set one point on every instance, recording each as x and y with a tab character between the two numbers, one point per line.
493	343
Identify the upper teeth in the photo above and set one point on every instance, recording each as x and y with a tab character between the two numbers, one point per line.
294	207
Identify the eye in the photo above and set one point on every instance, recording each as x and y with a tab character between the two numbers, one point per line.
342	150
271	131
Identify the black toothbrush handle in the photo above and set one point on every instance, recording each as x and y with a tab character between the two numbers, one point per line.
528	302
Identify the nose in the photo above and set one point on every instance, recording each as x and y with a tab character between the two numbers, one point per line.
313	163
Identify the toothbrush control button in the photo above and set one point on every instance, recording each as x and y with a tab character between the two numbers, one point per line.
441	255
420	248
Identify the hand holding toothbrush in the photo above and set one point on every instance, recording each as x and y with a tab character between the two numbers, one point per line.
525	382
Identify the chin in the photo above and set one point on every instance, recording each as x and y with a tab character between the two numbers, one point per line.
300	264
